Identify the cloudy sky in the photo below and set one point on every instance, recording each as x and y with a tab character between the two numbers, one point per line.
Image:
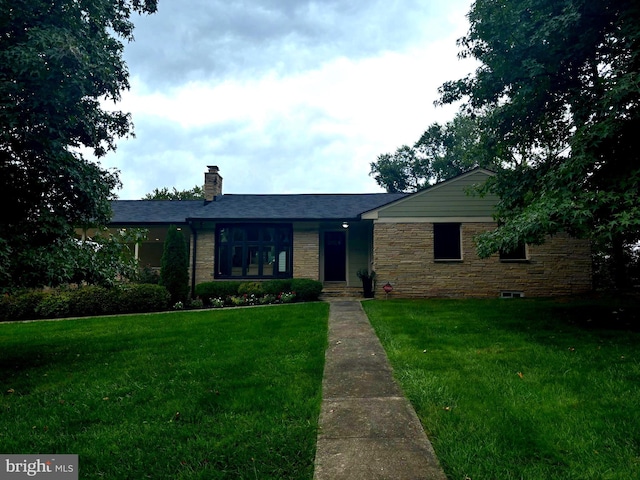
285	96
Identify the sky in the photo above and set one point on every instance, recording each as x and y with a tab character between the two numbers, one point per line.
284	96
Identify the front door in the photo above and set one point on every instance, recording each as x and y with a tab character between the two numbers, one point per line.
335	256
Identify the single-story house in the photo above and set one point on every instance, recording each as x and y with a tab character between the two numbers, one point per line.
422	244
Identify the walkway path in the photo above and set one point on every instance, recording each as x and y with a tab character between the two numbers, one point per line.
368	429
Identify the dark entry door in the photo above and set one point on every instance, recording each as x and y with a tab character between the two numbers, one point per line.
335	256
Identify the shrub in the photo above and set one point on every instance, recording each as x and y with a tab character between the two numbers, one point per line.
91	300
139	298
196	303
148	275
22	305
274	287
224	289
251	288
287	297
54	304
174	274
306	290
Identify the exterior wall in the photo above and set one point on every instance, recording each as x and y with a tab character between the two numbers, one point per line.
403	256
448	199
204	255
306	251
358	251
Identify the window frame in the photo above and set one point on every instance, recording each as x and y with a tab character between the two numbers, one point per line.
438	231
519	255
252	248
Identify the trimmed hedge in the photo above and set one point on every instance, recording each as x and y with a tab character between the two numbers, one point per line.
306	290
208	290
84	301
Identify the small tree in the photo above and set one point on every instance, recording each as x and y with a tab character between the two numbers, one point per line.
174	273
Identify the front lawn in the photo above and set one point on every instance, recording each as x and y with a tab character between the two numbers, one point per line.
205	394
520	389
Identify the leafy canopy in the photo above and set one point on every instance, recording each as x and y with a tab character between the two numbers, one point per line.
196	193
558	95
442	152
58	62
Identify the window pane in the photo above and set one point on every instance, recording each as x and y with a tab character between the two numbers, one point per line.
518	253
268	260
284	235
253	260
253	250
268	235
224	268
238	234
236	261
253	234
446	241
283	261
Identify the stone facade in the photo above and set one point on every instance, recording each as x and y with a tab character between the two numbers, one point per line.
204	255
403	256
306	253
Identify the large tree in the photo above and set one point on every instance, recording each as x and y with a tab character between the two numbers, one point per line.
195	193
442	152
59	60
558	93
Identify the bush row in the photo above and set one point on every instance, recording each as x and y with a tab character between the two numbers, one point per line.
83	301
306	290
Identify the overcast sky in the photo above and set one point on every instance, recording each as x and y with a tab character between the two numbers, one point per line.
285	96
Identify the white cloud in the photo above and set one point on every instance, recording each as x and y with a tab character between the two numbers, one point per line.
278	131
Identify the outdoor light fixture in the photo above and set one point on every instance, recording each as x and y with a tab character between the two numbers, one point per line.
345	224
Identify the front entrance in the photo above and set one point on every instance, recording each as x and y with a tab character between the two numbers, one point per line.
335	256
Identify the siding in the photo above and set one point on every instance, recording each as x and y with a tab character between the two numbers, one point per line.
448	199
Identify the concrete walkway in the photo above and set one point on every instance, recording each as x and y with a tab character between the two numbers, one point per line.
368	429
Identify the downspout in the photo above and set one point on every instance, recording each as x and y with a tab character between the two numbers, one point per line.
194	250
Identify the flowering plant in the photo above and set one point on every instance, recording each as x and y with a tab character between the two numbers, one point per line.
216	302
287	297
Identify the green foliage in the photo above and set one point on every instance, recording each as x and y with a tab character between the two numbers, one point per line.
174	273
251	288
58	62
274	287
222	289
138	298
306	290
196	193
117	384
148	275
559	100
544	386
442	152
83	301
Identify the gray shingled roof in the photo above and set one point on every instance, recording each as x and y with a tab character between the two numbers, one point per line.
251	207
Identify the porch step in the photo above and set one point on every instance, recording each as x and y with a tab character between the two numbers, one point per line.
333	290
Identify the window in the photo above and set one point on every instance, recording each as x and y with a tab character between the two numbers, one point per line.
517	254
253	251
446	241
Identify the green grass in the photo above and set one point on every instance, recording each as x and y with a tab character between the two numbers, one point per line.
211	394
520	389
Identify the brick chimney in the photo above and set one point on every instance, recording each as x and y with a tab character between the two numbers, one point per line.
212	184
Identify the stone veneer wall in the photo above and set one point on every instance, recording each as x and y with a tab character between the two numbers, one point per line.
403	256
204	255
306	253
